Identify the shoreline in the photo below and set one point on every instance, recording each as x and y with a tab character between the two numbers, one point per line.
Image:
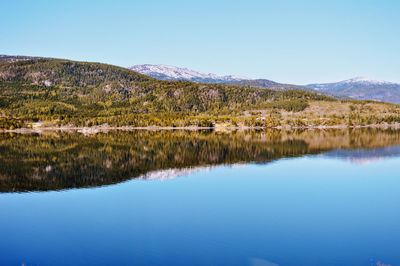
106	128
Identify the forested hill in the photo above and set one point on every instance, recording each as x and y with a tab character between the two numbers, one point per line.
64	92
65	73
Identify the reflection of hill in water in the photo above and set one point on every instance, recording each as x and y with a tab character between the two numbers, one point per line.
62	161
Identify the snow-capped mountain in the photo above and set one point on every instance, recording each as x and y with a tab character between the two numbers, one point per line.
361	88
365	80
351	82
165	72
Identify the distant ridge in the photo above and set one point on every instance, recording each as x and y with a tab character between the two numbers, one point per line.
361	88
358	88
15	58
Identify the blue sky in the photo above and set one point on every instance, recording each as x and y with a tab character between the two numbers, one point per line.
287	41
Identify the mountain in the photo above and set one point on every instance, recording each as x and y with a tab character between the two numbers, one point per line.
361	88
164	72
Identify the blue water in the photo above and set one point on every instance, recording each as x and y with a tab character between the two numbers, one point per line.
313	210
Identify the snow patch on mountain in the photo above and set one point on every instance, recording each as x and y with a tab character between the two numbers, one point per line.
365	80
166	72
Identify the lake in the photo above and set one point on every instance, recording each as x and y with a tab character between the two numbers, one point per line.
262	198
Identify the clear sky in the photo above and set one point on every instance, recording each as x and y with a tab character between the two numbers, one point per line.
287	41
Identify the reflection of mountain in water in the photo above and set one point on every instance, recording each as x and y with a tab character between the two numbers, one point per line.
173	173
365	155
70	160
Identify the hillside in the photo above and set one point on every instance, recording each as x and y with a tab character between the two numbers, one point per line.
59	92
266	83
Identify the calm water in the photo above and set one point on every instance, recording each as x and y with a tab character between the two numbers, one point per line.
201	198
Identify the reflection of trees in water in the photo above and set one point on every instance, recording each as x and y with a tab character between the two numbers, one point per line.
64	160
